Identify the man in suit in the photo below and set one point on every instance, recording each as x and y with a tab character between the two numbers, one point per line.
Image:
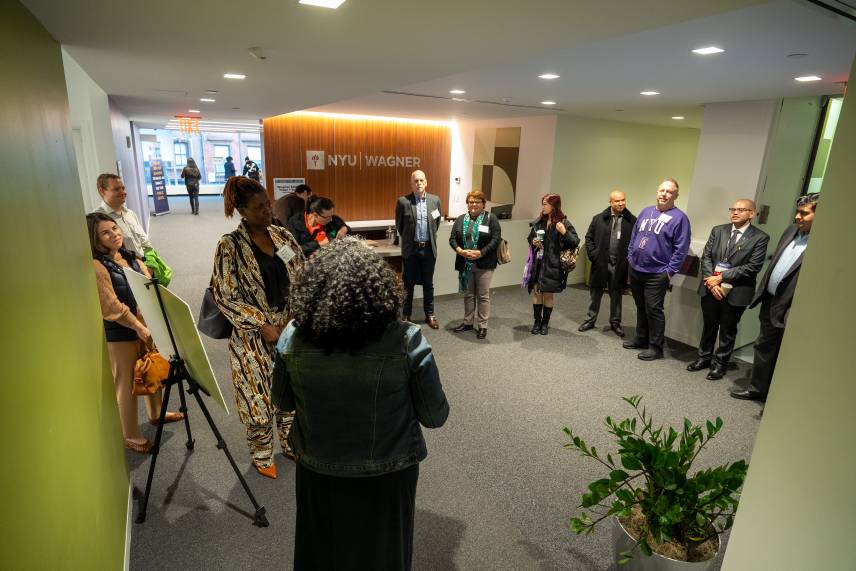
732	258
775	294
606	245
417	217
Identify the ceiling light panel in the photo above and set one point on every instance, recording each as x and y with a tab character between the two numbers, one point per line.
549	76
207	100
548	102
807	78
707	51
649	93
678	117
234	76
457	91
193	110
332	4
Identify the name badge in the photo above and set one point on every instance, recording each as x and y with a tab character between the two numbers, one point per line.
664	217
618	234
285	254
484	228
721	267
435	214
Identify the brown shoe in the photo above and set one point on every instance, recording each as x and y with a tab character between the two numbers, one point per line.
267	471
142	447
170	417
432	322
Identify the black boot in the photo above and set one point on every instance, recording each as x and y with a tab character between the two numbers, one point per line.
536	328
545	321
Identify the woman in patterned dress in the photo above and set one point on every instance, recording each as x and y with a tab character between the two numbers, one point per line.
253	269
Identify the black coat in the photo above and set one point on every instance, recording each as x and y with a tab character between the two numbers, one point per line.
551	278
297	226
597	249
746	261
780	304
487	243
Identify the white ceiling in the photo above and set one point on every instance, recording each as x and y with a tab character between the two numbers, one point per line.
598	78
157	58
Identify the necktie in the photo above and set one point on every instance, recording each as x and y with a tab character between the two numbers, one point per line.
731	241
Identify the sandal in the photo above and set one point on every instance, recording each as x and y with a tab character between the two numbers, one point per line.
170	417
142	447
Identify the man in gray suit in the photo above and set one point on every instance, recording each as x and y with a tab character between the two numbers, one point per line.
732	258
417	217
775	294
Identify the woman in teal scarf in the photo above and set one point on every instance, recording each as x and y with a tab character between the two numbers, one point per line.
475	238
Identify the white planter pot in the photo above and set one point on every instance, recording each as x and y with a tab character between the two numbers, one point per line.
622	541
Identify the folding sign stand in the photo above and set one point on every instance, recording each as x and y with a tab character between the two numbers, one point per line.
178	374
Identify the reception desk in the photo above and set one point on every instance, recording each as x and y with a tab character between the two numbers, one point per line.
445	276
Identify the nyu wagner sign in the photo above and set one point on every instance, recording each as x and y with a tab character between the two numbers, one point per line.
319	160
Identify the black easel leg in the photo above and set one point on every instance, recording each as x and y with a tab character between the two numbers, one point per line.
183	409
141	516
259	519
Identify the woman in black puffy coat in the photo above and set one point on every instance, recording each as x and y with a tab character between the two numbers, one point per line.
551	233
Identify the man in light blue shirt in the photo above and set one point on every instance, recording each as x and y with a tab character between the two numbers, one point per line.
775	294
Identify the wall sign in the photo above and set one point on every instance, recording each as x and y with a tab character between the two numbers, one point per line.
283	186
362	164
159	187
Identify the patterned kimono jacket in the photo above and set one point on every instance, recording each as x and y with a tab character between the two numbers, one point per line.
240	294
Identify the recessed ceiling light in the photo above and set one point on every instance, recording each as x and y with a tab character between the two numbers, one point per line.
457	91
234	76
323	3
649	93
207	100
212	91
548	103
710	50
235	107
193	110
806	78
458	99
797	55
549	76
678	117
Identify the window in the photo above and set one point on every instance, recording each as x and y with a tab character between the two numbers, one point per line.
180	149
255	154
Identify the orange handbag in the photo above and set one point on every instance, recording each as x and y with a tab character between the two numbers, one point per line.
150	371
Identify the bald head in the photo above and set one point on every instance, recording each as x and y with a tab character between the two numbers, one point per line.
418	182
617	201
742	212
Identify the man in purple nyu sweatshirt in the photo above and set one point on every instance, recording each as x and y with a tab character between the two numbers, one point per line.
658	246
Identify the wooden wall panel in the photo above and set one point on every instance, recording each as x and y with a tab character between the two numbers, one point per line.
360	189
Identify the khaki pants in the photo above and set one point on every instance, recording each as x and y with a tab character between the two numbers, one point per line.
477	298
123	357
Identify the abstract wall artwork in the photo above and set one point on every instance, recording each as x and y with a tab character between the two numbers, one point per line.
495	156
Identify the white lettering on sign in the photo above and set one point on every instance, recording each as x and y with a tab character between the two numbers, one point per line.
316	160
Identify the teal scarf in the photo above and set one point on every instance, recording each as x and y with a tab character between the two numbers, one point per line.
471	238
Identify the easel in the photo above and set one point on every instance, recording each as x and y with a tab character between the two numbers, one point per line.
178	374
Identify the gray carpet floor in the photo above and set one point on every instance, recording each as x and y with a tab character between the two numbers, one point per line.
497	489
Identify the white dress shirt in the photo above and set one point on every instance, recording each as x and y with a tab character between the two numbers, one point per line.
136	238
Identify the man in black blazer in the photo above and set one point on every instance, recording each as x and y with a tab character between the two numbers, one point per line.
732	258
417	217
775	294
606	246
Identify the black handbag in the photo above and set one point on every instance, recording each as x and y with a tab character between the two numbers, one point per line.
211	320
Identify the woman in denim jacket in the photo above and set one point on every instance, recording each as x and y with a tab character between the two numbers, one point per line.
361	382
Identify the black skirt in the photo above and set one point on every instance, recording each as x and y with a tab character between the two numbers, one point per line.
355	523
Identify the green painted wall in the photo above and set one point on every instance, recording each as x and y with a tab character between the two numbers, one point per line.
592	157
797	508
64	481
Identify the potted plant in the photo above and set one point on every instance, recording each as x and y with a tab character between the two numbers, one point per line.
660	508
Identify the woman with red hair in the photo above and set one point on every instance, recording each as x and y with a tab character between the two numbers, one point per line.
543	276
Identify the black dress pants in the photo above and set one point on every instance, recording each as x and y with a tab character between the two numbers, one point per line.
766	351
418	268
193	194
614	299
719	317
649	293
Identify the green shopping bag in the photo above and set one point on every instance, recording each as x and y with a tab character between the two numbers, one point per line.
158	267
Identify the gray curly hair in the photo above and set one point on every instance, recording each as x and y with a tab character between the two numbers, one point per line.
345	296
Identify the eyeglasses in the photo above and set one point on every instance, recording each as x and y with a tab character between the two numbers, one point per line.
474	202
733	210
